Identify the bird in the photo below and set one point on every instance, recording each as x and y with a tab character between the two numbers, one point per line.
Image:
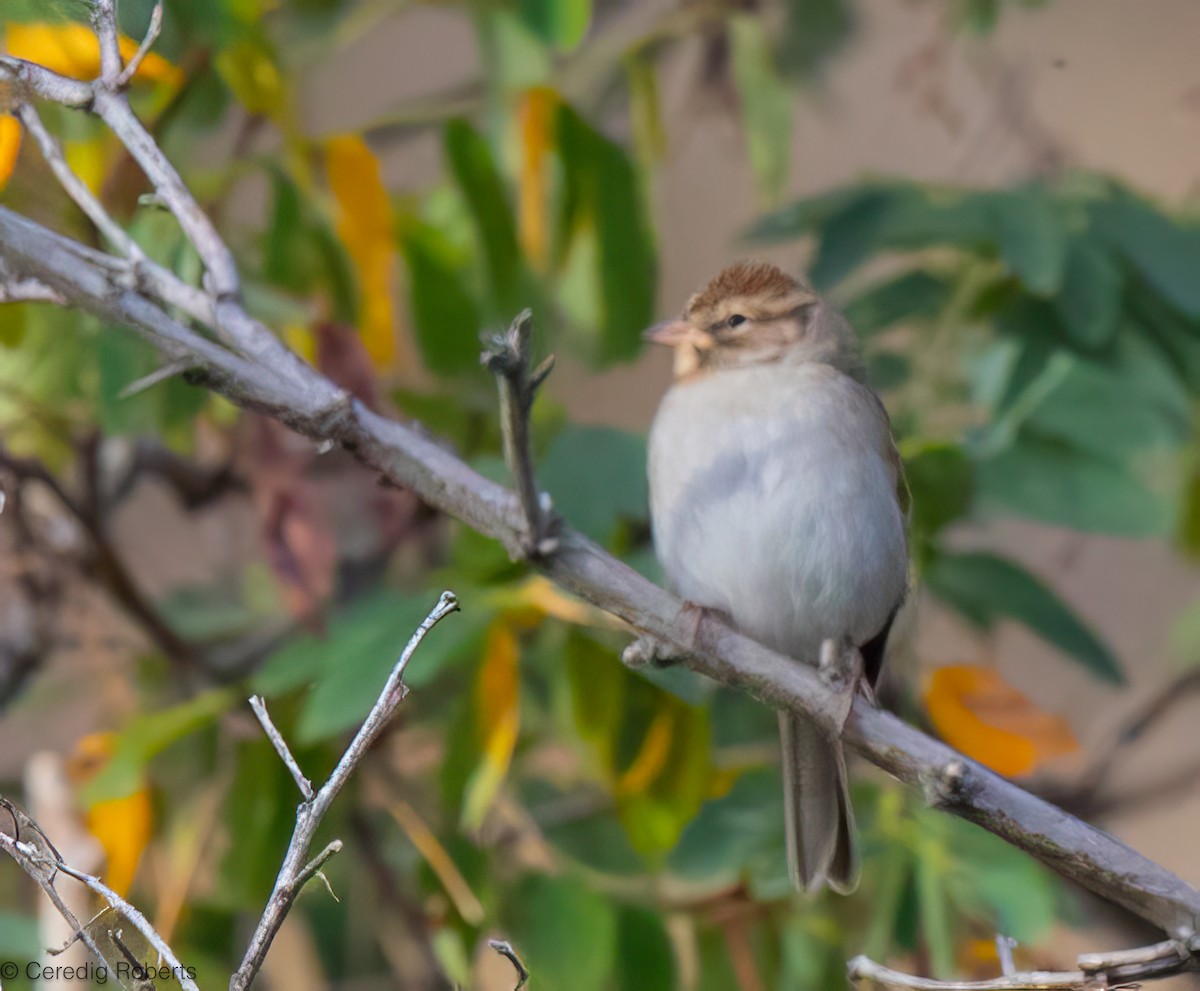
777	502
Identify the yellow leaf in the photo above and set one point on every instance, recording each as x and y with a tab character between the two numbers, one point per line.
249	70
977	712
89	161
365	225
497	702
549	600
439	861
10	145
301	340
651	758
536	118
72	50
122	826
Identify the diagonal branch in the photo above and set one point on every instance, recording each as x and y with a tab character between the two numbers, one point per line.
406	457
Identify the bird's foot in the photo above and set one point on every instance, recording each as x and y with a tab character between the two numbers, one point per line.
841	669
650	652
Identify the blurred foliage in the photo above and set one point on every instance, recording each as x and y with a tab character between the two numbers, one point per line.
1039	348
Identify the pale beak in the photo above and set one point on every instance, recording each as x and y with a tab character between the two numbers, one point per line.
670	333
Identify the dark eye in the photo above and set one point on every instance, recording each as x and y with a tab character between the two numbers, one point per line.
736	320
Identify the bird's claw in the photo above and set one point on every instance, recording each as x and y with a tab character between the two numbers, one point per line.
841	669
650	652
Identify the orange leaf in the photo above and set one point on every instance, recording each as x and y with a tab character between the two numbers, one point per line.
365	224
72	50
10	145
536	116
977	712
122	826
498	718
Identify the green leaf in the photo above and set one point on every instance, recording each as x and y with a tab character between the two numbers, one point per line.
914	296
1032	237
1056	482
350	665
565	933
1164	252
805	216
1174	334
475	172
985	587
979	16
444	313
940	477
285	261
1115	410
261	813
602	199
596	477
852	234
813	32
645	957
1089	302
729	832
559	23
148	735
934	910
766	104
1019	897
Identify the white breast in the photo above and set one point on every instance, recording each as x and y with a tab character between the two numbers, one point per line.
773	499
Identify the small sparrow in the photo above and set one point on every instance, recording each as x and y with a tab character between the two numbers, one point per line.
774	496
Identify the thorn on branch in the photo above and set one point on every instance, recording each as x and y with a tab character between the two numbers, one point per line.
508	357
504	948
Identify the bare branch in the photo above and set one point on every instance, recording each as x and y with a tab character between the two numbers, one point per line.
508	357
152	32
104	23
43	865
504	948
29	80
75	187
281	747
1124	968
406	457
297	870
138	921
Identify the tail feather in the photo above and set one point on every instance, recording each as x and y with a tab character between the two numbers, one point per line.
820	818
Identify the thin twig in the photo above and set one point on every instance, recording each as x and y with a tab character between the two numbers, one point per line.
75	187
508	355
504	948
152	32
44	865
104	23
281	747
297	869
1109	971
138	921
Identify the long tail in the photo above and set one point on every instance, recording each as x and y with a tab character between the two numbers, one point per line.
816	797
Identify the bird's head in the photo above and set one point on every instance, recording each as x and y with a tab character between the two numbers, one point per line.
753	313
